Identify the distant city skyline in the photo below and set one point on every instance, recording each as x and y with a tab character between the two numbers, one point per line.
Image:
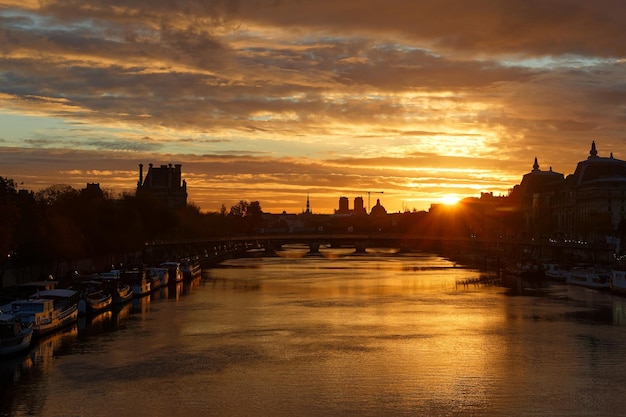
274	101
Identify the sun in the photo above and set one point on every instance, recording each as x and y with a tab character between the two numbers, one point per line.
449	199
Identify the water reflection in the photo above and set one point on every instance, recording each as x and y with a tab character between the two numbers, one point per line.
22	380
619	310
88	324
370	334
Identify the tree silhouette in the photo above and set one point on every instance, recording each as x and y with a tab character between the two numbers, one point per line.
10	215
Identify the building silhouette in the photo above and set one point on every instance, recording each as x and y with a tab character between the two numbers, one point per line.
344	207
594	195
378	209
535	197
587	204
359	208
164	183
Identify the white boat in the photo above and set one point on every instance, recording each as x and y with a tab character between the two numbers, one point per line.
94	298
120	291
590	277
618	280
190	269
49	310
13	337
160	276
555	271
175	271
138	281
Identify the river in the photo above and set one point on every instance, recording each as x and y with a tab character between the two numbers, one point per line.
339	334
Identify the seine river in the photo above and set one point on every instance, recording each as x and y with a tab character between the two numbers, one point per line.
379	334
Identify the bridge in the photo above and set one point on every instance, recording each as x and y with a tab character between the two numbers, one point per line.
482	252
275	241
214	248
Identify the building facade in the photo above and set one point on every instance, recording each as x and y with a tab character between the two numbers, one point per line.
536	198
592	201
164	183
588	204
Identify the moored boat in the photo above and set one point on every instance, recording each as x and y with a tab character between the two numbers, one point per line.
159	276
14	338
94	298
175	271
190	270
138	281
48	311
590	277
120	291
618	280
555	271
526	271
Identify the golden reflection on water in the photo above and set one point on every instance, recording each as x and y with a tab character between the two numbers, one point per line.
380	326
345	334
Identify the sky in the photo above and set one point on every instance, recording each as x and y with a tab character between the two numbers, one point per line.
406	101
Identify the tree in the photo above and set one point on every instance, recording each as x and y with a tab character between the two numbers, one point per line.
254	217
10	215
254	210
55	194
239	209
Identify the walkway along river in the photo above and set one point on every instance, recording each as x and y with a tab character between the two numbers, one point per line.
337	334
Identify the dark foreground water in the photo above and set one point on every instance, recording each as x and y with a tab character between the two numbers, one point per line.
338	335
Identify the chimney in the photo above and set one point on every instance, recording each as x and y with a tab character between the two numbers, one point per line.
140	175
178	175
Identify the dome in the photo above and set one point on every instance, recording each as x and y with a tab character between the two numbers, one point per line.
378	210
538	181
596	169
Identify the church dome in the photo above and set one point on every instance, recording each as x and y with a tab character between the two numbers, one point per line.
596	169
378	209
538	181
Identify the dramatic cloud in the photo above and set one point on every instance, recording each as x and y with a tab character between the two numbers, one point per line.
271	100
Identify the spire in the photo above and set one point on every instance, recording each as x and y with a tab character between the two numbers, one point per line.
308	206
536	165
593	152
140	176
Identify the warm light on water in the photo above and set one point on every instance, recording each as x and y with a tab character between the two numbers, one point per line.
381	334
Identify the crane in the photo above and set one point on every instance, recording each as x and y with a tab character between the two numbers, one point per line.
368	198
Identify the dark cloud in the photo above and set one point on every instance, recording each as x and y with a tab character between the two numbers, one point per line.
368	87
533	27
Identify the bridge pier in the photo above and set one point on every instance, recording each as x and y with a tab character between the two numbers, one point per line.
314	246
271	247
405	249
360	247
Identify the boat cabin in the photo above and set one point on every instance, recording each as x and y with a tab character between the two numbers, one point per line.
33	311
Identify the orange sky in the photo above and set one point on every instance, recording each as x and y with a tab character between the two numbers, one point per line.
270	100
